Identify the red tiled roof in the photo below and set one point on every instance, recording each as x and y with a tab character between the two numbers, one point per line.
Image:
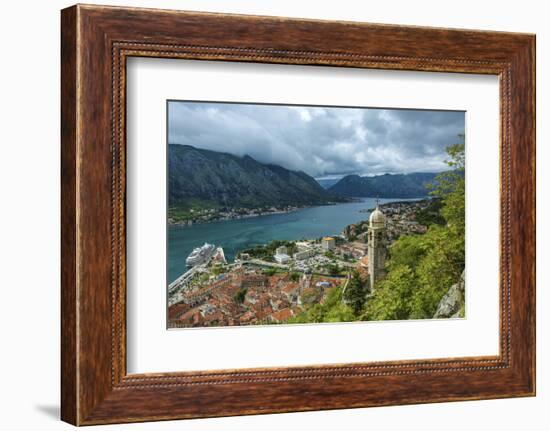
174	311
282	315
191	315
289	287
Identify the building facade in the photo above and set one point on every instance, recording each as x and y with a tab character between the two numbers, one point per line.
304	254
282	259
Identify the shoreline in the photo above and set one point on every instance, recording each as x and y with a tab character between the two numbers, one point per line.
222	219
256	274
401	201
347	231
253	214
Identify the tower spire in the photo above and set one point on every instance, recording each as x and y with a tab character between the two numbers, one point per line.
376	245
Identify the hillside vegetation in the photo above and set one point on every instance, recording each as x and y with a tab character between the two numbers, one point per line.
421	269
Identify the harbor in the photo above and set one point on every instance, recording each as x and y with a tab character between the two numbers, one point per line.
274	282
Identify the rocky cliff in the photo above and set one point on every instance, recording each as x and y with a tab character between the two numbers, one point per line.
453	303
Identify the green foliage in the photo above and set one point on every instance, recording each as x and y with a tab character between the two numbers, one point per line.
450	187
190	209
408	250
331	310
355	293
267	251
339	312
392	297
294	276
204	277
240	295
218	269
311	296
431	214
462	311
438	270
333	269
422	268
269	271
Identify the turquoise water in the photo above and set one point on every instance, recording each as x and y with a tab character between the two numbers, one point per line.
236	235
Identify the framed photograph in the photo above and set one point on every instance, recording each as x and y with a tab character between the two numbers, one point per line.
265	215
270	221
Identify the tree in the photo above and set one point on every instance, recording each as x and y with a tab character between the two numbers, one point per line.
421	268
408	250
333	269
450	187
339	313
431	214
294	276
331	310
392	298
445	259
240	295
355	293
440	268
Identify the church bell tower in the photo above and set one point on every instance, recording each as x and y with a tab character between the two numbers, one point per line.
376	246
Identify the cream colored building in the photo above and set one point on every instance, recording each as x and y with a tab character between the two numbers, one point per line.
328	243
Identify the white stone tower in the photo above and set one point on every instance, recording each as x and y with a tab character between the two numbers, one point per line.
376	245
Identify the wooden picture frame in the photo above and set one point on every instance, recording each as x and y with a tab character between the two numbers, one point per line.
95	43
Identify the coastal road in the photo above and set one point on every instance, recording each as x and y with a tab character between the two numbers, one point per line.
265	263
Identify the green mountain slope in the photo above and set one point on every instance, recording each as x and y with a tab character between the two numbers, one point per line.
384	186
218	179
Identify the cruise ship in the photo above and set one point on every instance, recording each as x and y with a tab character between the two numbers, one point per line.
200	255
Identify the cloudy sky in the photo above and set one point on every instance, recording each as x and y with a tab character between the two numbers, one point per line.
324	142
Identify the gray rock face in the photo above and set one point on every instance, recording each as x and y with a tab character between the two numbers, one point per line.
453	301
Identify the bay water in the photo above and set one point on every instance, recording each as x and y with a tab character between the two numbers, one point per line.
236	235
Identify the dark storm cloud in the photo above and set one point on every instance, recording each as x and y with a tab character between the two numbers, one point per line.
322	142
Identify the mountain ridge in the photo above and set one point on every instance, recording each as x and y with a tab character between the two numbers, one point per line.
225	180
411	185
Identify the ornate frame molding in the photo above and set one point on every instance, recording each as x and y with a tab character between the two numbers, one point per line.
96	41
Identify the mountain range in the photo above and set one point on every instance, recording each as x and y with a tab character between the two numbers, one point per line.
328	182
384	186
225	180
217	179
